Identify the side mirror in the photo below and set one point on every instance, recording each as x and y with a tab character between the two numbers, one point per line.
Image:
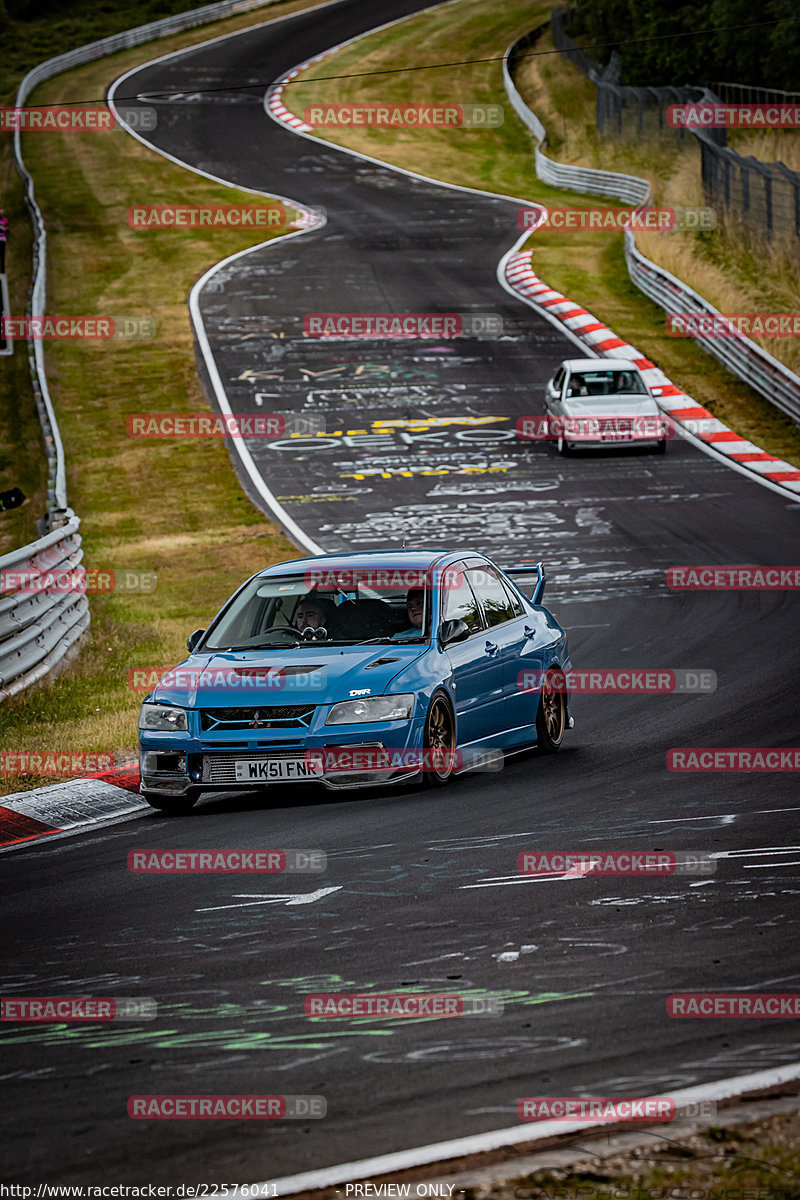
193	639
453	631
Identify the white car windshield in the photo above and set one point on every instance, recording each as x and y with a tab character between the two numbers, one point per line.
354	606
605	383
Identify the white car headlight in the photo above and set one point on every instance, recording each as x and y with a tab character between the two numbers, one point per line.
162	716
372	708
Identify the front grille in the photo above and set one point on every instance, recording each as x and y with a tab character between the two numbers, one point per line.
273	716
221	768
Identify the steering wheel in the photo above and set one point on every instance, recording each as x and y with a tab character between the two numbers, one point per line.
283	629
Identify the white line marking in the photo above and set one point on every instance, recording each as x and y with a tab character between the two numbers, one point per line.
288	899
520	1134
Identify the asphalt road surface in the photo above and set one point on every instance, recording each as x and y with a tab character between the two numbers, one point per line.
428	896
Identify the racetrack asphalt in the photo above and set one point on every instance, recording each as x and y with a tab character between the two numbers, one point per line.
429	895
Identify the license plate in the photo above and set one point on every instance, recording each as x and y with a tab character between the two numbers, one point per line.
274	770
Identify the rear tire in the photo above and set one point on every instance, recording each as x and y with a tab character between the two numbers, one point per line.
439	742
176	805
661	448
551	716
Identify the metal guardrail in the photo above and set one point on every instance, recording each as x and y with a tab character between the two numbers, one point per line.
757	368
770	378
37	629
629	188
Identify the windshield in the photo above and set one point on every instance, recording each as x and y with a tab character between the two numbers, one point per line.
337	607
605	383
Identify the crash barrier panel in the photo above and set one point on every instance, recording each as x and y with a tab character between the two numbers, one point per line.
38	628
770	378
629	188
36	633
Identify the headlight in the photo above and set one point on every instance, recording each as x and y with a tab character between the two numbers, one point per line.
162	716
372	708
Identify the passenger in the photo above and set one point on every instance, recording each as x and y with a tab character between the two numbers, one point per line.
415	607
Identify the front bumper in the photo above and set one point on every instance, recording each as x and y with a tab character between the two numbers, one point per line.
182	765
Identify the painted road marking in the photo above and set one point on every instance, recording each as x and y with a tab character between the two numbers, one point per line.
253	898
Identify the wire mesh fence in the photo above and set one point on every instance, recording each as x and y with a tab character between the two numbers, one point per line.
763	196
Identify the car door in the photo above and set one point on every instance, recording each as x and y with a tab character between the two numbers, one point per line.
469	659
505	638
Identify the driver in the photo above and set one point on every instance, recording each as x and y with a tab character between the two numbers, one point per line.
312	612
415	608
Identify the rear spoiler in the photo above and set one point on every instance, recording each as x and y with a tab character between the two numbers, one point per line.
541	578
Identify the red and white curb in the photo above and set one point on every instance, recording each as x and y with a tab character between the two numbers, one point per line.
689	417
71	805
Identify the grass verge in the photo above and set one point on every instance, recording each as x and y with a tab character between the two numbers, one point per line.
588	266
173	507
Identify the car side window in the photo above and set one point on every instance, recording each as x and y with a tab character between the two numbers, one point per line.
460	605
494	599
513	599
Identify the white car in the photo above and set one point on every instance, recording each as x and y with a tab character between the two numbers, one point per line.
603	401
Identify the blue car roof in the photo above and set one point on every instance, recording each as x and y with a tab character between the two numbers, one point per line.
421	559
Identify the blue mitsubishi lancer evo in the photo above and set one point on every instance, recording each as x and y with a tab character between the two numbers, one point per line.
353	670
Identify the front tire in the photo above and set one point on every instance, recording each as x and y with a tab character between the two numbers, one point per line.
551	716
439	742
175	805
564	447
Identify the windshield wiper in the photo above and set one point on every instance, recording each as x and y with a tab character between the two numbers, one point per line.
271	645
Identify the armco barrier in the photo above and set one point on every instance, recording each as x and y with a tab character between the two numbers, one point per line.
770	378
37	631
629	188
739	354
38	628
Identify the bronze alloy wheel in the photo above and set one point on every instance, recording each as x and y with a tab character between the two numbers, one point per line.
440	742
551	718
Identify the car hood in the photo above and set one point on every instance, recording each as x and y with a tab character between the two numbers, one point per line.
611	406
307	674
